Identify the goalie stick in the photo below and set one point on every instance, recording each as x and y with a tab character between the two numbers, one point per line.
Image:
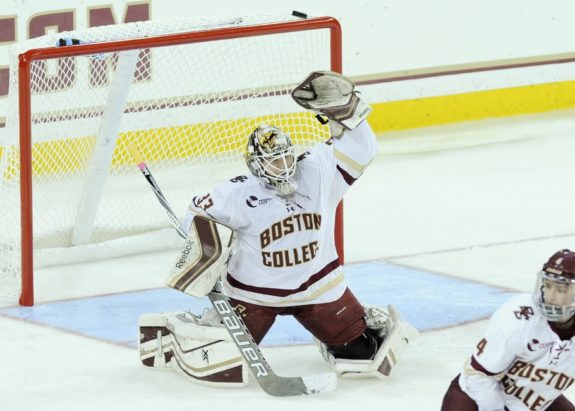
270	382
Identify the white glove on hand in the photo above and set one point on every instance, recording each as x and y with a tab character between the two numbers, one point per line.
334	96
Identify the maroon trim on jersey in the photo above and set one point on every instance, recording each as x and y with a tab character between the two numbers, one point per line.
278	292
346	176
564	333
478	367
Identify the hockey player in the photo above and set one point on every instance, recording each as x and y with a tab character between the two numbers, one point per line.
283	216
526	359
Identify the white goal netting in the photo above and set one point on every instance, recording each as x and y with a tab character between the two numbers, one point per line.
189	107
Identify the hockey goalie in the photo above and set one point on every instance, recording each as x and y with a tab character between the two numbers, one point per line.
284	259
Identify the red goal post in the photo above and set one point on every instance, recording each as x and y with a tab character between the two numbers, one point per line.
50	136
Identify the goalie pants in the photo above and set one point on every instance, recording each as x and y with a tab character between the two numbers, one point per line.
457	400
333	323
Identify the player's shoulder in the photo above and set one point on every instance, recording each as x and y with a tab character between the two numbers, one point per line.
243	192
518	311
316	153
237	184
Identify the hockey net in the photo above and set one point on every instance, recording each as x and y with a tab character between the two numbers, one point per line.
186	92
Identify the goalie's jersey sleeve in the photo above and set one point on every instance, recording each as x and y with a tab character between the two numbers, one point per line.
285	251
520	361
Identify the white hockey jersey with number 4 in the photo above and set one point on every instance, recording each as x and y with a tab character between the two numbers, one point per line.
535	365
285	251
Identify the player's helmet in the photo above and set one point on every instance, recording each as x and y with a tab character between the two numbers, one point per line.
270	157
555	287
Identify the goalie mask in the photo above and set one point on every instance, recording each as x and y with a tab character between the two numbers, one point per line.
555	287
270	157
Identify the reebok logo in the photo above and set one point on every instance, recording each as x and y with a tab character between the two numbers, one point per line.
184	254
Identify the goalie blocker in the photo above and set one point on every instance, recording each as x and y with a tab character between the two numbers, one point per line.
203	258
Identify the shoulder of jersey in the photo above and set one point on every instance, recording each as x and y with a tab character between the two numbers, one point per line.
519	308
312	155
303	156
239	182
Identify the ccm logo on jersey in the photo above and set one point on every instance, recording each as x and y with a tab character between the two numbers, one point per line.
253	201
534	344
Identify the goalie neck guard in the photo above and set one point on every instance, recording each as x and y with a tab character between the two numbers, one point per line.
270	157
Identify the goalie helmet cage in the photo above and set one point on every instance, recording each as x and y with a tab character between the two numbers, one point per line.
187	92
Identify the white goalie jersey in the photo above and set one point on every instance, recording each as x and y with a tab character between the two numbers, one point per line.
520	363
285	252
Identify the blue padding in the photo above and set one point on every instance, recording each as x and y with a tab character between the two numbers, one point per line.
426	300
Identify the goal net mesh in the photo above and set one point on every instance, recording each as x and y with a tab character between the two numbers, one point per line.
188	107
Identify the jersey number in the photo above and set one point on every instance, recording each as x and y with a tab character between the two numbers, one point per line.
239	179
481	346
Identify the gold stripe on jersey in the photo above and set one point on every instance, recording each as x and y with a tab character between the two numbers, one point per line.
337	280
350	161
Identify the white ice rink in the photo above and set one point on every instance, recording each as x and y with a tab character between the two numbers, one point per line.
491	213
